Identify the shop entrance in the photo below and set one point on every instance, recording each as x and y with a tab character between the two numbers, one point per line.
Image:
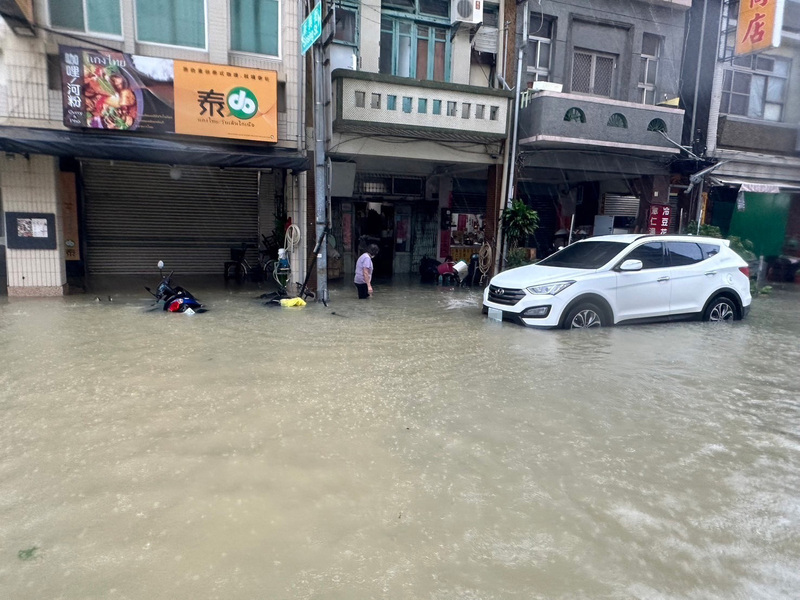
374	224
188	216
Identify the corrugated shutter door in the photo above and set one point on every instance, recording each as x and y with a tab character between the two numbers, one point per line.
621	206
136	215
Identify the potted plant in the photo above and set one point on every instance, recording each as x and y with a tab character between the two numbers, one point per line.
519	222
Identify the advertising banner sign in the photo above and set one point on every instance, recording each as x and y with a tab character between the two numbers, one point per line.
111	90
758	26
660	215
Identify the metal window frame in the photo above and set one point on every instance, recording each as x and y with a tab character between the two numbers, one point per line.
651	59
162	44
353	6
727	38
541	73
86	30
417	15
396	22
245	52
733	69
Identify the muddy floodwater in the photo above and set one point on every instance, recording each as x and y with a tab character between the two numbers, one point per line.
401	447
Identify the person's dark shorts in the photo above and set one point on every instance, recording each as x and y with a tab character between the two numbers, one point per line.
363	291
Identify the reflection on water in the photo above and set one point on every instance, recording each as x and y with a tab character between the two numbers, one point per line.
401	447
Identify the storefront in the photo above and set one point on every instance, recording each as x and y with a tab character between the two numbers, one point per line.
161	160
189	216
766	216
391	211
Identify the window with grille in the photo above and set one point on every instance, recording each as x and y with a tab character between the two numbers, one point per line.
415	40
755	86
593	73
648	68
540	42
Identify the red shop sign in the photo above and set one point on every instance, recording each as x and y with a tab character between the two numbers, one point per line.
660	216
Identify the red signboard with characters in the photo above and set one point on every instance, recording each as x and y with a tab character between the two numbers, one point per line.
660	216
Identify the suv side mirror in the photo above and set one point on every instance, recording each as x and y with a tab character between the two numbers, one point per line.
631	265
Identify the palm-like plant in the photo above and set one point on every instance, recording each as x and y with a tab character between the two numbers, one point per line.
519	221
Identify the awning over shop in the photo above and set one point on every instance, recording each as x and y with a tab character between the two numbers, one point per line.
756	186
133	147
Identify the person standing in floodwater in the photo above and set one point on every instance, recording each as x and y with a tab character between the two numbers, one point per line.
363	277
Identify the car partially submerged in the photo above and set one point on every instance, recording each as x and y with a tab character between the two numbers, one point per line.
613	279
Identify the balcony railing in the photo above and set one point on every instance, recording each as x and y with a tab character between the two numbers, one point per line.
371	103
553	119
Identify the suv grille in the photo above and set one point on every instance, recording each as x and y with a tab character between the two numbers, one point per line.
505	296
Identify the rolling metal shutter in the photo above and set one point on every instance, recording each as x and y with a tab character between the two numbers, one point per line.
136	215
620	206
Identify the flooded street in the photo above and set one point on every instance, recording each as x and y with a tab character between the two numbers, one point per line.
402	447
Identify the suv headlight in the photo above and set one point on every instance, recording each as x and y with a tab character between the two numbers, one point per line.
550	289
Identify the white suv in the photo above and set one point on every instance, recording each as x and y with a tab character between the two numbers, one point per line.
624	278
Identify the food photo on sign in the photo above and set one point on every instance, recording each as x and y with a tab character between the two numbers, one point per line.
118	91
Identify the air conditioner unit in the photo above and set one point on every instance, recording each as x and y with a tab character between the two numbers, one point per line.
466	11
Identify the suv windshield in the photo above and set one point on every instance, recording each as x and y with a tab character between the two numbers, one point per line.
584	255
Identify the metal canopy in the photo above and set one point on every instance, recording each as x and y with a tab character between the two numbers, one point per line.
133	147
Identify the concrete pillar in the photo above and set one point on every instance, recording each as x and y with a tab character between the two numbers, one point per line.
493	200
654	190
445	190
30	185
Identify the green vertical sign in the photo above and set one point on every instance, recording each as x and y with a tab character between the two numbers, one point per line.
311	28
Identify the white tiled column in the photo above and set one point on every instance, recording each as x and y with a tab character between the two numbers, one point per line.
30	185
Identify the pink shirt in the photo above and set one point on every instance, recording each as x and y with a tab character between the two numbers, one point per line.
364	262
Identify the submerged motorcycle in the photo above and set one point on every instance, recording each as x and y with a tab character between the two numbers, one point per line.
175	298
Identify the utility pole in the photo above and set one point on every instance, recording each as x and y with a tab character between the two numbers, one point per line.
320	174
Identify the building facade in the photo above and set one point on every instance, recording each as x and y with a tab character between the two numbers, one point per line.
745	121
599	125
120	147
417	129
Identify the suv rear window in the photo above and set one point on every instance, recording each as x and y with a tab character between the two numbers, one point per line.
584	255
684	253
709	250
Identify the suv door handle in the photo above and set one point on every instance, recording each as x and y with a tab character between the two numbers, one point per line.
709	273
663	279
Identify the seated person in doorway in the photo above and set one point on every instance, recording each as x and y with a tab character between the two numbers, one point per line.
363	276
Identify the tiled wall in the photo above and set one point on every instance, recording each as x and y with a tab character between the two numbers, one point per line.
29	185
23	80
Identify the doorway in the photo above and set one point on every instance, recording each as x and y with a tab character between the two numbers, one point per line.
374	224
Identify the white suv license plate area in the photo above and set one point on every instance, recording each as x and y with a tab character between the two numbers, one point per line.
495	314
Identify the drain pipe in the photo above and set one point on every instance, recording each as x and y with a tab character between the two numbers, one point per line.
301	88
